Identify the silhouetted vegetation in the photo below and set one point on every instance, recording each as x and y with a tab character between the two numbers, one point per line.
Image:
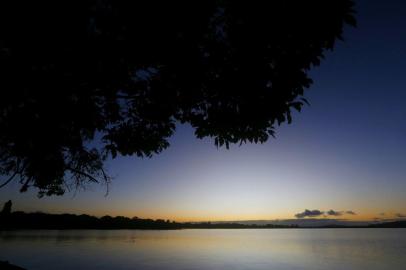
390	224
6	208
125	72
231	225
21	220
8	266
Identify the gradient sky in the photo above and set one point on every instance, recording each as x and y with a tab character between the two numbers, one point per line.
347	151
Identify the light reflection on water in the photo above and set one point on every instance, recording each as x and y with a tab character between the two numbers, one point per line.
207	249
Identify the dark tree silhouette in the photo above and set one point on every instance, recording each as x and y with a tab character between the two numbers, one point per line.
6	208
127	71
8	266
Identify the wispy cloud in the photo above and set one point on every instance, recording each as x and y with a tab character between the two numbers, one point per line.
309	213
399	215
349	212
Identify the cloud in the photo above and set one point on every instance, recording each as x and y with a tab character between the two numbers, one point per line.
399	215
309	213
334	213
316	213
382	214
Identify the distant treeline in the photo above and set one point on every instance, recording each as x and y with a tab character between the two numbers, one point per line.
391	224
21	220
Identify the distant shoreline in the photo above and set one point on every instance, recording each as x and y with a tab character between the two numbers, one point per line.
43	221
179	229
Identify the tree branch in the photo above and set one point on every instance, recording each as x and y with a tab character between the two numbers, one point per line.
76	171
9	180
107	180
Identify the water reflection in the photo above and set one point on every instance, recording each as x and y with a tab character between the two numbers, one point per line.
207	249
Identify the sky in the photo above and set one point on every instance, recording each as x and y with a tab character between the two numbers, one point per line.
344	152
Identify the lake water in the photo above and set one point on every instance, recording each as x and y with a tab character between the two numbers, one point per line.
207	249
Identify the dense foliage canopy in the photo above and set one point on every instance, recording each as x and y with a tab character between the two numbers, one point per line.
128	71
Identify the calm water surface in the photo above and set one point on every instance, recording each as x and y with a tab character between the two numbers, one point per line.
207	249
